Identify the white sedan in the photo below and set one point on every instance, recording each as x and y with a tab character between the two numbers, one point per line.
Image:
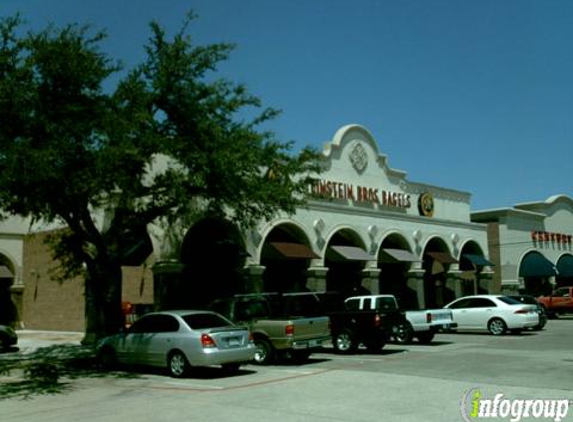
495	313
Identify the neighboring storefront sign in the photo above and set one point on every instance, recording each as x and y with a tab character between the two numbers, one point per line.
543	236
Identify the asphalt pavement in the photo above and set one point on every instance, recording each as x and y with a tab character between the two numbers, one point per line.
401	383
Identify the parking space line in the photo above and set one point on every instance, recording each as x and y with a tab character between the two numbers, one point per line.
194	386
205	388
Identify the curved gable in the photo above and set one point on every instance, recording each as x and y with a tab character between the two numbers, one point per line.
356	144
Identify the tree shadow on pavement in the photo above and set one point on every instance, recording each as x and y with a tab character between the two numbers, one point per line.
48	370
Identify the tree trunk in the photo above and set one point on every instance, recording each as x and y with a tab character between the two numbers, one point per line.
103	302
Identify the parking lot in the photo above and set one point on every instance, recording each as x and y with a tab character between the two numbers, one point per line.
406	383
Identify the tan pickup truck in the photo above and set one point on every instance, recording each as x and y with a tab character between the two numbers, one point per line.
274	334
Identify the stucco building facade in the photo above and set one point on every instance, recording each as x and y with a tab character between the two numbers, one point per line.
531	244
367	228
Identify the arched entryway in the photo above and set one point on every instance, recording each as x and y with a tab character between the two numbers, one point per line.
213	256
394	262
436	263
565	271
536	271
472	263
8	310
286	256
346	257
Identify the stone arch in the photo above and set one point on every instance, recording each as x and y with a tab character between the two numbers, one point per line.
294	228
536	271
213	256
345	257
472	263
565	270
436	263
286	255
395	259
8	309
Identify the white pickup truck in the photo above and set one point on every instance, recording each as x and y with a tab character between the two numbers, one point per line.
422	324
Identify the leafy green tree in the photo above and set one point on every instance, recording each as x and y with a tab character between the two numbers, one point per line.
167	142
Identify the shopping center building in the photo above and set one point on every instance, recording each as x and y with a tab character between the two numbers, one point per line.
367	228
371	229
531	244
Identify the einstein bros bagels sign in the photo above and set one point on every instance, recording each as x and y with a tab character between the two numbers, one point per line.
329	189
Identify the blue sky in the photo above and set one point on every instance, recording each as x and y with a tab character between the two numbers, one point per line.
469	95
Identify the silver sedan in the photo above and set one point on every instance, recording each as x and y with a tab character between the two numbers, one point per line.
178	341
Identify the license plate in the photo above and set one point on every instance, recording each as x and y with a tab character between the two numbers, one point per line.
314	343
447	326
233	342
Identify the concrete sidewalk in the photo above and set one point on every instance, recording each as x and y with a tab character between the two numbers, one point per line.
30	340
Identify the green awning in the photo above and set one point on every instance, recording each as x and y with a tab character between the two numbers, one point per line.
536	265
478	260
565	266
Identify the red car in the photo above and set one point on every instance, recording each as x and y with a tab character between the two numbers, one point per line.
560	301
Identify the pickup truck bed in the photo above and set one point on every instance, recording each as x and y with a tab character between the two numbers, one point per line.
274	333
423	324
349	328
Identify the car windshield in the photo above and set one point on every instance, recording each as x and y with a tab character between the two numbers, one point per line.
201	321
509	300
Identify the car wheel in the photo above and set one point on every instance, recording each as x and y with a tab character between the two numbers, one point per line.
404	333
231	368
264	352
178	365
107	358
375	345
426	338
497	327
343	342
